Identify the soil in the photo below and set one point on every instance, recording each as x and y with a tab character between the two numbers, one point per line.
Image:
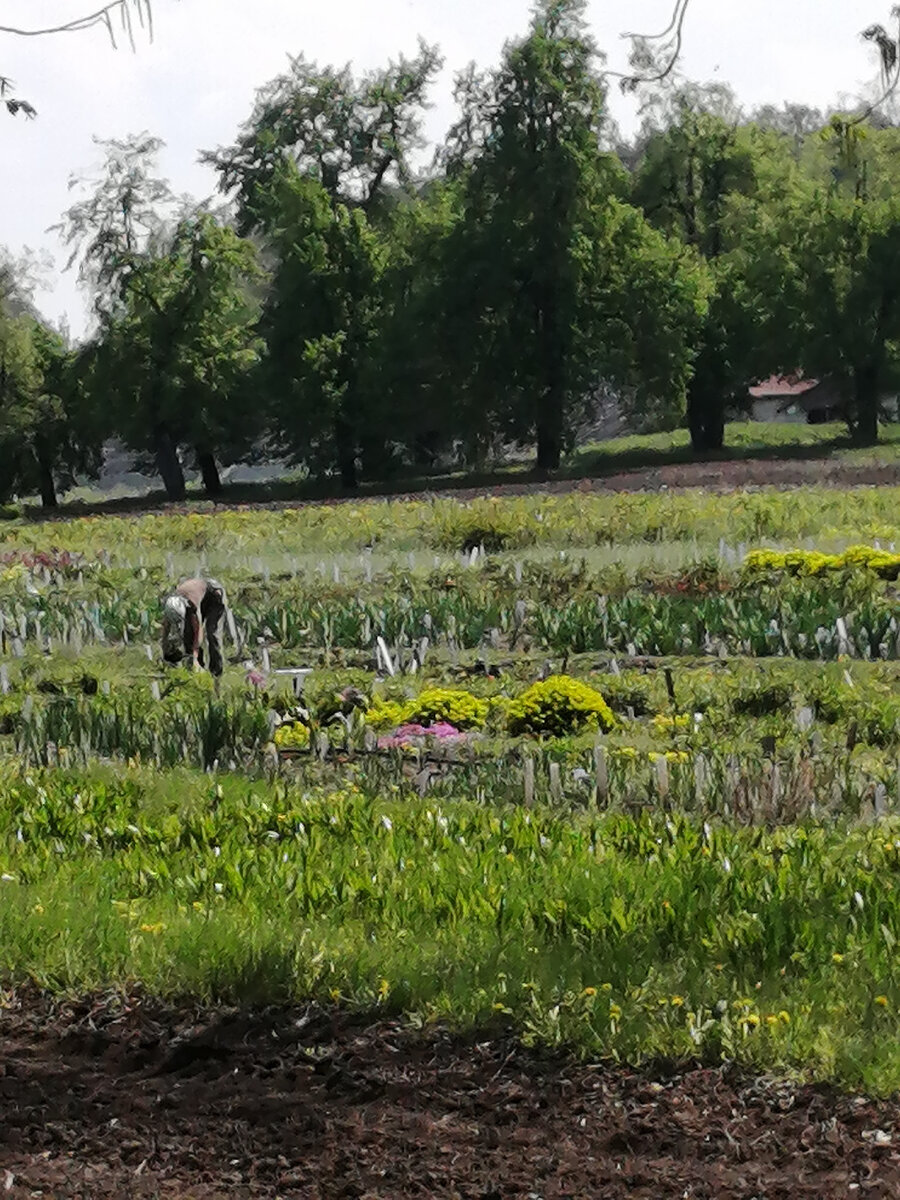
718	475
125	1097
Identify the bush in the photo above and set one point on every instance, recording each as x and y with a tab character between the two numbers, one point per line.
432	706
558	706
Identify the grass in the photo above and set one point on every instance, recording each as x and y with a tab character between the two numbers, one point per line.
767	440
748	910
744	440
625	936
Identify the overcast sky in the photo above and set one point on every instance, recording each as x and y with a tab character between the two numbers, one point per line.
195	83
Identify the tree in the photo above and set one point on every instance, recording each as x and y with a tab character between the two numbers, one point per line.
694	162
177	298
47	433
121	12
315	174
824	269
549	256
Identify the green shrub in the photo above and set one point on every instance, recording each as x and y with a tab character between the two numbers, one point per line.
558	706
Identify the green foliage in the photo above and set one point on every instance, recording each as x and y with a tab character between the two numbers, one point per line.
557	706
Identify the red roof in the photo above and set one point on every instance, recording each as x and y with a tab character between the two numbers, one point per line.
783	385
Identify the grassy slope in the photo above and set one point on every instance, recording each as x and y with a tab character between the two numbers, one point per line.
620	935
743	440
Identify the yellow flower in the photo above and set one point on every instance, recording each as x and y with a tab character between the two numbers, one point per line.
751	1019
677	1001
605	987
335	994
882	1000
383	989
771	1020
784	1017
38	908
158	927
589	991
614	1012
838	958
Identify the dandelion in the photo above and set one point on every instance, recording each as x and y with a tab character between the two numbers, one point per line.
837	958
882	1001
784	1017
589	991
677	1001
771	1020
615	1012
158	927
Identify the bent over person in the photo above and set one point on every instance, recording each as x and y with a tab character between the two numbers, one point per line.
197	606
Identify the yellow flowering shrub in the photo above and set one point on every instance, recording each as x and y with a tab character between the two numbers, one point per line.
432	706
558	706
292	736
813	563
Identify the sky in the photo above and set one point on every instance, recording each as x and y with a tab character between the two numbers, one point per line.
194	84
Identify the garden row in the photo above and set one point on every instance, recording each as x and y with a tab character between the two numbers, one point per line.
510	523
634	936
560	611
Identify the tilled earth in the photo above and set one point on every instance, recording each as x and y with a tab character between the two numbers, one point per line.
125	1097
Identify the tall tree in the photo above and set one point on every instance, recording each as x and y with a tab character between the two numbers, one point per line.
823	268
549	254
316	174
693	163
177	298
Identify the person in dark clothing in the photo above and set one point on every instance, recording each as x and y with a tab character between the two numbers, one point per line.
196	608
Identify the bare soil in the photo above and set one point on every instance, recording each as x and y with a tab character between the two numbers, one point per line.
126	1097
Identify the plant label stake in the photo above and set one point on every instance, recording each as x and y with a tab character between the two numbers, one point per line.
382	650
601	772
555	783
529	783
232	630
661	770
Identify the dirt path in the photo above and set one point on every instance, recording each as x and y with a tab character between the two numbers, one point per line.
118	1098
724	476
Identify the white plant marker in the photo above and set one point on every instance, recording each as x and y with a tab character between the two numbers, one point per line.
555	783
529	782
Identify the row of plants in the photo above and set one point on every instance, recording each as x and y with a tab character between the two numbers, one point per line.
835	742
630	936
807	617
509	522
883	563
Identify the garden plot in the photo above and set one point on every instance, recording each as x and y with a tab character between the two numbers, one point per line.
618	774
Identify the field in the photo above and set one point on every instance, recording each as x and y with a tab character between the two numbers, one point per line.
583	833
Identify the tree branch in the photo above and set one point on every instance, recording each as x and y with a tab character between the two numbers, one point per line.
102	16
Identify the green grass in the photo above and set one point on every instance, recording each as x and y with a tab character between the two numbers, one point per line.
743	440
718	920
623	936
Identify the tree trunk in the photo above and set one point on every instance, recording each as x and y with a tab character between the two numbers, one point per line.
209	472
45	477
345	449
549	438
866	428
168	464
